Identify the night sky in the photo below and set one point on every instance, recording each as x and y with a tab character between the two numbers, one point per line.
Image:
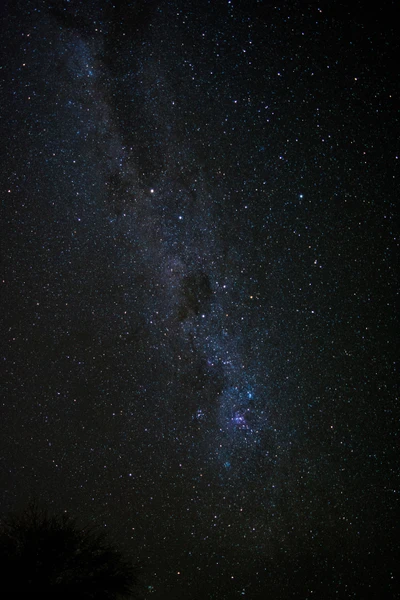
198	248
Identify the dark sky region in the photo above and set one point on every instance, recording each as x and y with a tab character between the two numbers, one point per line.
198	287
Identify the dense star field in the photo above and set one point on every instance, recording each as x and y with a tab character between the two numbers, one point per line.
198	284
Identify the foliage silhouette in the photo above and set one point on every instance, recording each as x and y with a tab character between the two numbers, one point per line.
51	556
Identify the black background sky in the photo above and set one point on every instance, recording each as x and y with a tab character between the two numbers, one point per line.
198	284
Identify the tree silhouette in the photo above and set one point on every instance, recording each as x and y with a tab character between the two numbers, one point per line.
51	556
